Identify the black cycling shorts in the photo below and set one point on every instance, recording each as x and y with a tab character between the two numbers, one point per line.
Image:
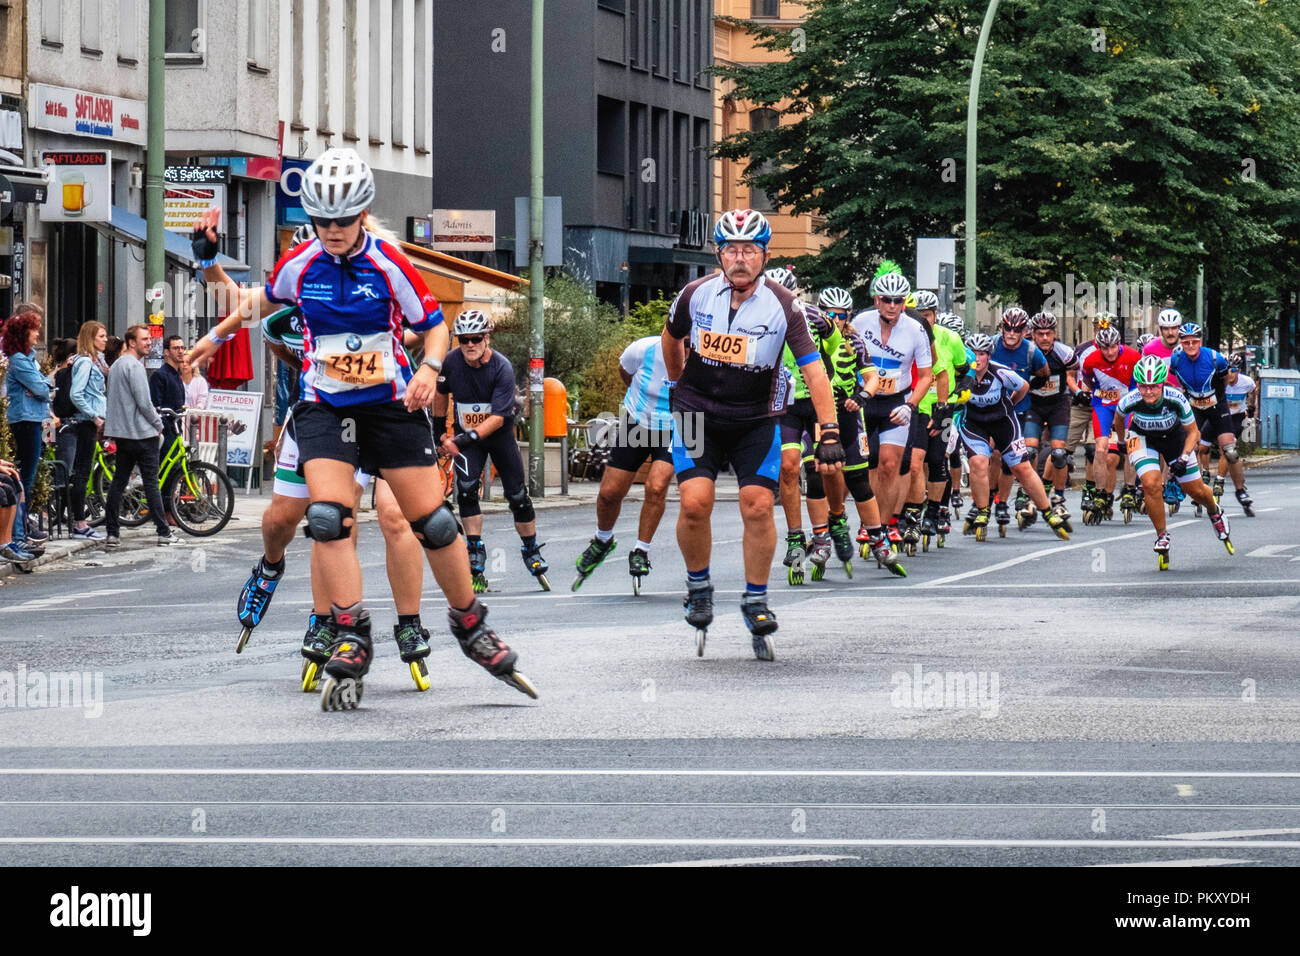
369	437
798	423
1213	421
634	443
753	449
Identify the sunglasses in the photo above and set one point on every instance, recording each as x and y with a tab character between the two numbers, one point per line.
471	339
342	223
893	299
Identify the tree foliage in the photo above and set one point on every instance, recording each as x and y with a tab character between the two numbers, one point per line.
1117	140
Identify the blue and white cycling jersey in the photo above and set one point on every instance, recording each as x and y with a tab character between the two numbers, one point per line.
353	310
1024	360
1196	377
647	394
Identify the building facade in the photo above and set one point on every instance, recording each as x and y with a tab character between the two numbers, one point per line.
628	120
791	235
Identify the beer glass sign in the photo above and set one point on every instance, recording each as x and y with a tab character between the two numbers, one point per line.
81	184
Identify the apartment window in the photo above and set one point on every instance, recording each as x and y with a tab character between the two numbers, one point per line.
398	34
183	34
638	152
423	70
769	9
52	24
351	47
128	32
635	32
296	26
323	78
375	72
703	41
610	136
676	38
656	40
258	35
700	167
762	120
90	39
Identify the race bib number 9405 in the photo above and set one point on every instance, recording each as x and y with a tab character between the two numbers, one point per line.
726	347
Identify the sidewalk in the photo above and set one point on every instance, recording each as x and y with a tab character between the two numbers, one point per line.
249	507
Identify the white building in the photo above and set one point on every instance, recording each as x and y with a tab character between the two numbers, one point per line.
358	73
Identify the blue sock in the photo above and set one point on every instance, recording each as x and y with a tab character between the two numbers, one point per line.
755	588
702	575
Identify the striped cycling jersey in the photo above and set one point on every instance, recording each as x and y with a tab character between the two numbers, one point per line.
1238	393
646	399
353	308
1060	360
949	355
990	394
1171	413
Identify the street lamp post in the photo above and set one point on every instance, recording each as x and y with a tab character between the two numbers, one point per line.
536	281
972	117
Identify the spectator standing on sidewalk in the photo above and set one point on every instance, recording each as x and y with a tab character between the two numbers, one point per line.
135	424
167	388
29	406
89	395
196	385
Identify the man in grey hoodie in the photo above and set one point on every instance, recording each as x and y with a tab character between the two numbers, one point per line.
133	422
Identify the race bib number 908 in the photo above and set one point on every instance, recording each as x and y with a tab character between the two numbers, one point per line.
727	347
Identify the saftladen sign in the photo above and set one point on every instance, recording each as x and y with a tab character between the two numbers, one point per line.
63	110
190	191
80	186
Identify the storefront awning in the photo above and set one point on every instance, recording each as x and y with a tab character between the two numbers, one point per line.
29	185
131	228
685	257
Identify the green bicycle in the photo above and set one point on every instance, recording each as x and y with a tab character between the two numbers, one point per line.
198	494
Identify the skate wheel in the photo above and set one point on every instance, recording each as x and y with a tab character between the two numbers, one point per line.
420	674
939	541
479	583
864	550
1228	544
520	683
925	544
541	579
981	534
340	694
1162	562
818	572
310	676
636	585
578	583
1128	516
764	649
701	635
794	577
898	570
1002	531
848	570
244	635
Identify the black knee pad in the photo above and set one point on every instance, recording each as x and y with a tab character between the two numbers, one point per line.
1059	457
859	485
437	529
1089	452
938	470
325	521
521	506
814	487
467	496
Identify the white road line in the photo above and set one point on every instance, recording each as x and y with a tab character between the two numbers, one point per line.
667	805
614	772
1230	834
754	861
1202	861
83	598
635	841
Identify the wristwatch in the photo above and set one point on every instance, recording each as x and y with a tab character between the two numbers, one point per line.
433	363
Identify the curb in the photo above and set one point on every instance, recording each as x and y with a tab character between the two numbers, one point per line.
1267	459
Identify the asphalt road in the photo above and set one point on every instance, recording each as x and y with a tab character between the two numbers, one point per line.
1073	705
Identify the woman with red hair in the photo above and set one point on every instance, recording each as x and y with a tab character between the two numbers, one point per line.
29	405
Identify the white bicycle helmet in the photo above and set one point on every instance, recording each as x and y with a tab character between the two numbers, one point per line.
892	284
1107	336
304	233
472	322
979	342
835	298
783	276
925	299
337	185
1169	319
1042	320
742	225
951	321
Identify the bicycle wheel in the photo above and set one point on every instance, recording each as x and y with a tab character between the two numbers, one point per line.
203	502
135	506
97	497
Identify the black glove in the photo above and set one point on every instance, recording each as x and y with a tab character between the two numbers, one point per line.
940	412
1178	468
465	439
204	248
829	450
1219	377
1081	398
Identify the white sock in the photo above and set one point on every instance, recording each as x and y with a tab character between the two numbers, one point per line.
643	546
604	536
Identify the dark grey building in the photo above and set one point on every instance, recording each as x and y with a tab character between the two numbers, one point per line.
629	112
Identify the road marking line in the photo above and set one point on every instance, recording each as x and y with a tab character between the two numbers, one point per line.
669	805
754	861
41	604
1230	834
613	772
637	841
1204	861
1185	789
1271	551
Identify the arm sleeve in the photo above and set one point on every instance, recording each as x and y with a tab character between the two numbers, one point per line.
143	400
679	314
157	391
29	377
503	391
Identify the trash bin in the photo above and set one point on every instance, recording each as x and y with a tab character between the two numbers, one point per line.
1279	407
555	408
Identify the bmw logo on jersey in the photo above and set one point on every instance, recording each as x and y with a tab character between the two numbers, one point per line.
353	343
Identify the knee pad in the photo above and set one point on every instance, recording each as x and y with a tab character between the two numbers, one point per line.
1089	452
859	485
467	496
1059	458
437	529
325	521
521	506
1230	453
814	487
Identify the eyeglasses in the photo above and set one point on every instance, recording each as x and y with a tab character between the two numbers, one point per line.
893	299
471	339
732	252
342	223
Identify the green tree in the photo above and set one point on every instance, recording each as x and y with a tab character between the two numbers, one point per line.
1113	139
